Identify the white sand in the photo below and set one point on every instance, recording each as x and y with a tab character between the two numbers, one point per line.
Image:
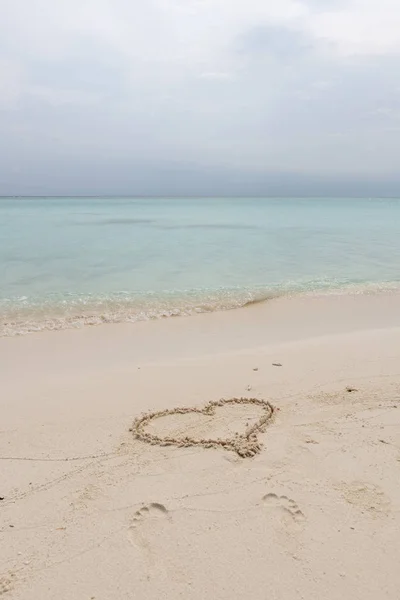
90	512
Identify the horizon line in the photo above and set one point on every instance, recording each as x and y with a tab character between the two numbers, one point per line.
201	197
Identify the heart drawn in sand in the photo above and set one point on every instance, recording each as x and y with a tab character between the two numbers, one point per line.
245	444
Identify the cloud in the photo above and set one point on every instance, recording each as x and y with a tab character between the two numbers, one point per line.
259	86
57	97
361	27
275	42
11	82
218	76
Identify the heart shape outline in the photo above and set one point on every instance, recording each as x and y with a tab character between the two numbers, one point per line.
245	445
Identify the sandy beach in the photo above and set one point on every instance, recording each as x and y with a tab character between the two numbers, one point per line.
88	511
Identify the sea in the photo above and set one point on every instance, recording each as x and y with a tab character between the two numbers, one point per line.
76	262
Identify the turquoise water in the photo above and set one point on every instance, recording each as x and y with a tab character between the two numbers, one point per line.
70	262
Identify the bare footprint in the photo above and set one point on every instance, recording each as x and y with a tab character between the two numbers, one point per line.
146	525
285	505
6	585
366	496
149	511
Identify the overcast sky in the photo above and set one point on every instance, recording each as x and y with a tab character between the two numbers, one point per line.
199	96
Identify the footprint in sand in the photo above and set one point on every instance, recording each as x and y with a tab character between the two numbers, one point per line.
285	505
366	496
6	585
149	511
146	525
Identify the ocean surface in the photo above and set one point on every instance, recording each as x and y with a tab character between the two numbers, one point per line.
72	262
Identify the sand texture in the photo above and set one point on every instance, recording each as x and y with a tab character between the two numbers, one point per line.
125	475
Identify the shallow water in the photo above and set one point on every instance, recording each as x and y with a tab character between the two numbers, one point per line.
69	262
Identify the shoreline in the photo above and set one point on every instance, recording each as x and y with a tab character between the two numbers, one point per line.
135	308
282	320
318	504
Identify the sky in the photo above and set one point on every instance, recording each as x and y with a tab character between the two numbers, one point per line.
164	97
